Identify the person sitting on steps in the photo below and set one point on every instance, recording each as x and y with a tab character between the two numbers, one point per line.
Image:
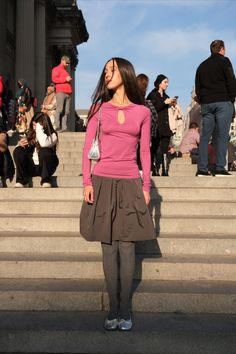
50	103
35	154
191	140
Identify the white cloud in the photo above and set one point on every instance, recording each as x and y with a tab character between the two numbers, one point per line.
181	42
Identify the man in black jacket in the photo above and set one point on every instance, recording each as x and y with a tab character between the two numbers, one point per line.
216	90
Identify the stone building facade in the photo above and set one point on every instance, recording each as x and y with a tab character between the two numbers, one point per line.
34	34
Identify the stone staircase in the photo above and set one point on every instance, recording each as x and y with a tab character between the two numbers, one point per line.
52	292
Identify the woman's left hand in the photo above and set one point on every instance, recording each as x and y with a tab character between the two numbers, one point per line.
146	197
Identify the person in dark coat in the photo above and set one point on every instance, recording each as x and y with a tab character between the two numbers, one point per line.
216	91
6	164
161	101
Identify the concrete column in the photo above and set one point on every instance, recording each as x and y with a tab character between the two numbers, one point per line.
25	42
71	123
40	51
3	31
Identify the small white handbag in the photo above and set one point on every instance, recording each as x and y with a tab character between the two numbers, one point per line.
94	152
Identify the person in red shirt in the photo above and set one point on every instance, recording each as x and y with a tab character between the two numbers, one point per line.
62	80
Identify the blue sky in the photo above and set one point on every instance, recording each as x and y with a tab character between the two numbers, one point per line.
170	37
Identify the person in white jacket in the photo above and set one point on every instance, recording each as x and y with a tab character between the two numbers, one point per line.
35	155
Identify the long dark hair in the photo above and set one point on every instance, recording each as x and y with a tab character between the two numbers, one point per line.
142	81
103	94
45	121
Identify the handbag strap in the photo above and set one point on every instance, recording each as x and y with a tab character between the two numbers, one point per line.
98	126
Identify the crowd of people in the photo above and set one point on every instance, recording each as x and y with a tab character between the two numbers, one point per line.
172	135
36	130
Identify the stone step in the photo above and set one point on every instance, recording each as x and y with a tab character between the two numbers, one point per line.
68	155
73	144
177	168
77	154
182	170
177	193
63	160
89	266
182	173
174	182
173	173
71	147
70	243
75	168
62	137
180	161
82	332
90	295
157	207
70	223
68	149
75	157
61	173
77	171
72	136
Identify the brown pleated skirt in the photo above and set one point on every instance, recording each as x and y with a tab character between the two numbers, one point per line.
119	212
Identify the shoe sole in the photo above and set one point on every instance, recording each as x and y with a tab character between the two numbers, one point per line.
125	330
224	175
110	330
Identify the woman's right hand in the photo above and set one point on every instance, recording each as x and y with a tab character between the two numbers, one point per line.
23	143
171	101
168	101
88	194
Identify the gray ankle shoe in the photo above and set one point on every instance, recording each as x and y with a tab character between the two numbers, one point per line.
111	325
125	325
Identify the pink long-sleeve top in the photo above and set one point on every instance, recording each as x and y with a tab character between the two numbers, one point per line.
118	143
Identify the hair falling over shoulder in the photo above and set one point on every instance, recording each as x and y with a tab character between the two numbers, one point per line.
102	94
43	119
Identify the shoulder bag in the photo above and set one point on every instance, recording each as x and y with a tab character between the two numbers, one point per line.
94	152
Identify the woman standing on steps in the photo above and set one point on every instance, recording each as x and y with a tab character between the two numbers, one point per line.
160	145
115	210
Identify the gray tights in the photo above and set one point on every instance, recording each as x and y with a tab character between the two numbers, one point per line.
123	266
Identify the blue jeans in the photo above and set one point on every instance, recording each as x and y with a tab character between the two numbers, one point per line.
216	117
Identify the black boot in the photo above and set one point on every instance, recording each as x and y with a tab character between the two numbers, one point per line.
155	172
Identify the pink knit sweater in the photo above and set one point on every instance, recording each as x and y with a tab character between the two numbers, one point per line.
118	143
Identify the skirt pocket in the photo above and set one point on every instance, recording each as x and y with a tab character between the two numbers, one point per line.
86	216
